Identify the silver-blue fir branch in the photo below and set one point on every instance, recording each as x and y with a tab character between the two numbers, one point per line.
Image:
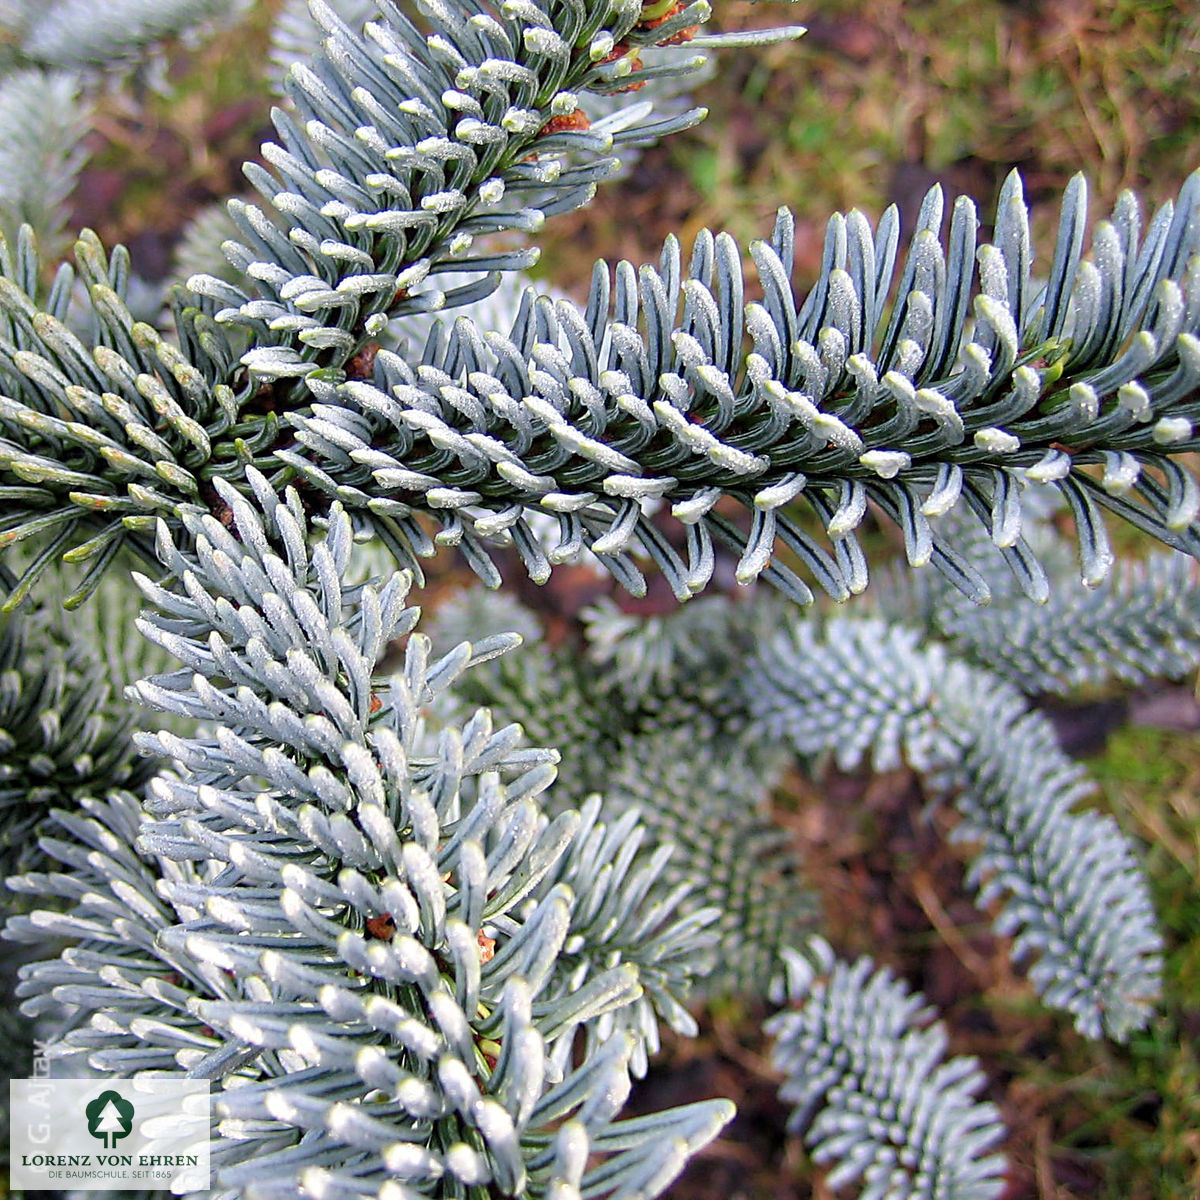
1074	899
864	1067
365	932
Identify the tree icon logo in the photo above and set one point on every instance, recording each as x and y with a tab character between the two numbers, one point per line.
110	1118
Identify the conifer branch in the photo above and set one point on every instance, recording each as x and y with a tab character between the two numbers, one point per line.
363	932
44	120
65	734
866	1069
82	34
1071	893
647	396
402	149
1142	623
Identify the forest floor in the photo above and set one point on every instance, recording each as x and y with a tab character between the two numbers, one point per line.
873	106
